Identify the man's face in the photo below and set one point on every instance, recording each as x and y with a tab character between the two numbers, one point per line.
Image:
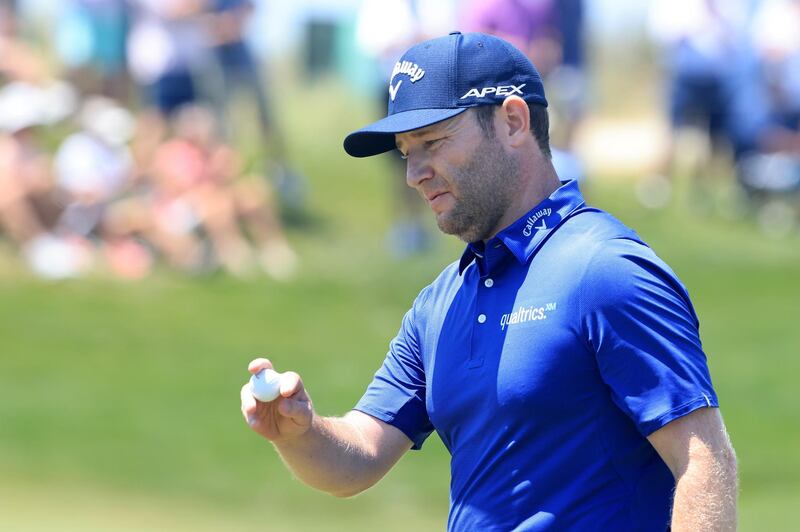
467	178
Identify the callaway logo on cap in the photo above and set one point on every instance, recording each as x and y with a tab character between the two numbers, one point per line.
438	79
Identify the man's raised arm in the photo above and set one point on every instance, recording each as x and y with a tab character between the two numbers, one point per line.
342	456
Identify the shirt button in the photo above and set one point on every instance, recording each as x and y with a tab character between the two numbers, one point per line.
488	283
481	318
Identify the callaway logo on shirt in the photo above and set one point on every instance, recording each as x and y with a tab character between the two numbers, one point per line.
529	223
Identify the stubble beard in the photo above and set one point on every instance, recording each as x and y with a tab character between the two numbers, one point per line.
486	187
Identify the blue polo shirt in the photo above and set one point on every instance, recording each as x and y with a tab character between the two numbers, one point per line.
543	359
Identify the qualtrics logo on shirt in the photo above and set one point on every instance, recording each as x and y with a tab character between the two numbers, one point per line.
525	314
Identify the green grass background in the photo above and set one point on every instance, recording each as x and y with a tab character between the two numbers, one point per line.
119	405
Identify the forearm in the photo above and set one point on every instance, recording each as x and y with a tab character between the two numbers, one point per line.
333	456
705	495
342	456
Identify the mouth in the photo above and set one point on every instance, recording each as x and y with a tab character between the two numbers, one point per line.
438	201
432	196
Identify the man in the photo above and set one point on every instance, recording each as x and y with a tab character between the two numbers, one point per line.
558	360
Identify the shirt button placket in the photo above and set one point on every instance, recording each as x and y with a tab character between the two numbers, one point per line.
479	329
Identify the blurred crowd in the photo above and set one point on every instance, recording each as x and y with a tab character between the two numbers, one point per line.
117	125
732	74
86	184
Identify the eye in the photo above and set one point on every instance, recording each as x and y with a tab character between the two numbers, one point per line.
433	144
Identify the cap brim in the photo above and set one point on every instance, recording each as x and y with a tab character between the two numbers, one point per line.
378	137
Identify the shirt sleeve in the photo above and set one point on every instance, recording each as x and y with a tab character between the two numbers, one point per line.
397	393
639	321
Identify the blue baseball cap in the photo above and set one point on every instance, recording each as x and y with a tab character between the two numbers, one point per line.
441	78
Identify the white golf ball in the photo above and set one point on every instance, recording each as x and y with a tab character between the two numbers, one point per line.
265	385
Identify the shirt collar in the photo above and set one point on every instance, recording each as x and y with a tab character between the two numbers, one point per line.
523	237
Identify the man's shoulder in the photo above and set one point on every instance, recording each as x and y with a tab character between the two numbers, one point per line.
615	266
599	253
582	236
603	239
592	225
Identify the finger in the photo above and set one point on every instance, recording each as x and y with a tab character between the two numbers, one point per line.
249	404
258	364
292	408
290	384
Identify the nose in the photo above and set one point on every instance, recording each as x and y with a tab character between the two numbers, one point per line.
417	170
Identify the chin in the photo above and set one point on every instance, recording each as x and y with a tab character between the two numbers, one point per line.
467	234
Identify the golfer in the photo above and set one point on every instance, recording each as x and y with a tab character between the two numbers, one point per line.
558	360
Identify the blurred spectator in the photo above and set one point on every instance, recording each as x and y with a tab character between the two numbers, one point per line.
90	41
179	168
93	167
385	29
168	53
568	81
769	167
29	203
777	39
530	25
151	210
17	60
706	53
733	74
240	74
27	206
239	70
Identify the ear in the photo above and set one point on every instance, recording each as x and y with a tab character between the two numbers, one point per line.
516	121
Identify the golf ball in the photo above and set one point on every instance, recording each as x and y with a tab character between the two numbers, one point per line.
265	385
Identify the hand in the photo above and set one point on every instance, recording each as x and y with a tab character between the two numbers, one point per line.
288	416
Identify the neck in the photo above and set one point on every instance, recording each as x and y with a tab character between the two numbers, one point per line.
537	183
